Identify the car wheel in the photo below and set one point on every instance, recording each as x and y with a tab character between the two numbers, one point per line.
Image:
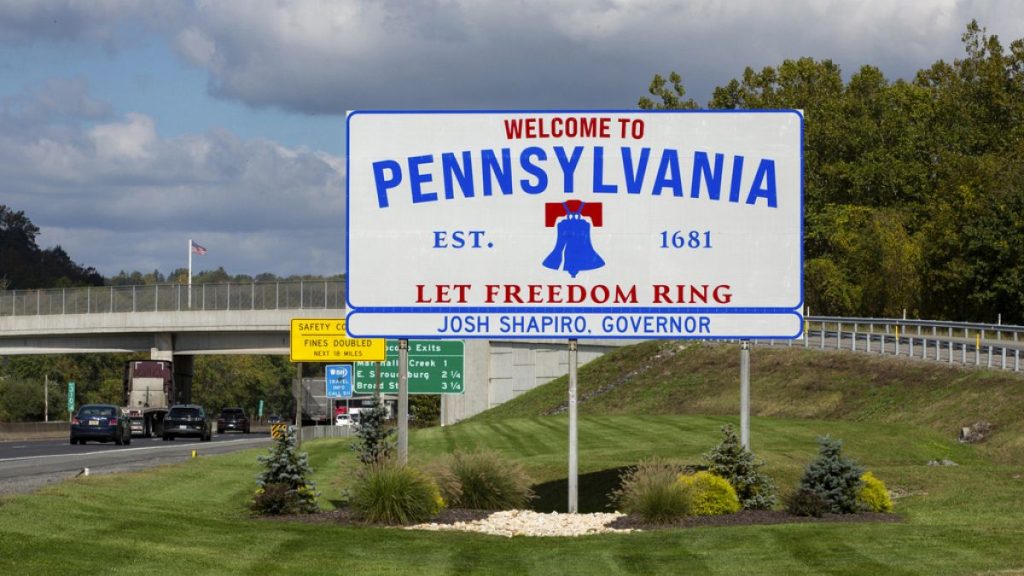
74	441
128	439
118	439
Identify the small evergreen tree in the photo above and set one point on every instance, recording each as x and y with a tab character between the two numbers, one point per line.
375	444
283	487
834	478
732	461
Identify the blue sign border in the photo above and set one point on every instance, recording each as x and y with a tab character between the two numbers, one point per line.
796	310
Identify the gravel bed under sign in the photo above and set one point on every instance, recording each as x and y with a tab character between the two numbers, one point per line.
511	523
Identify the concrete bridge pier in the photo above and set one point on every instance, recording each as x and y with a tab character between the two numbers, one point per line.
184	365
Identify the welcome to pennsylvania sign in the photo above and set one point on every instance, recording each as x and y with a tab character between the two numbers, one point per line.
575	224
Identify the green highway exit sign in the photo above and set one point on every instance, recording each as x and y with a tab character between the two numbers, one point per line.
435	367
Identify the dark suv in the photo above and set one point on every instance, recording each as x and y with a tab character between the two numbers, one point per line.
232	419
187	420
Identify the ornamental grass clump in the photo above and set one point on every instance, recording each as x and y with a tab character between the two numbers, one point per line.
390	493
651	491
833	477
486	481
284	486
873	496
732	461
710	494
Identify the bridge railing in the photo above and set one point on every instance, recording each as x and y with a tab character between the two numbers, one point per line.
996	346
309	294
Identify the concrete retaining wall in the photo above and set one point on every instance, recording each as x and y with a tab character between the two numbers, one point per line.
10	431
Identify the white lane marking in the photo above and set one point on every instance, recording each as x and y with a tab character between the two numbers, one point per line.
123	450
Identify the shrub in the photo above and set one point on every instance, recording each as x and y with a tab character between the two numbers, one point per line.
651	491
283	487
394	494
710	494
732	461
487	481
375	445
834	478
806	503
447	482
873	496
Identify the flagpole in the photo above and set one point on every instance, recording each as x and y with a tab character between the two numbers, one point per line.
190	273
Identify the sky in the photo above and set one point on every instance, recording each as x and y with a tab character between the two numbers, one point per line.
128	127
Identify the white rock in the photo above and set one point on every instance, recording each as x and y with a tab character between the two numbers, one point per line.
511	523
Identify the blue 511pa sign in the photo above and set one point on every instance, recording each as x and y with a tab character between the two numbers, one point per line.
339	380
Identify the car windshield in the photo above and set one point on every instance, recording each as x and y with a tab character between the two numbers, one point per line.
185	413
96	412
237	412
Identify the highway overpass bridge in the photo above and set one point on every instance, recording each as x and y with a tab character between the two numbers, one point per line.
174	322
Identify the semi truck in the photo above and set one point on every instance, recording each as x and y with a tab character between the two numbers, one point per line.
149	392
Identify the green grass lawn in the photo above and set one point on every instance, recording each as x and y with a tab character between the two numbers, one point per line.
655	399
191	518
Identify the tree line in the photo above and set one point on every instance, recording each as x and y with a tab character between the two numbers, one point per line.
913	189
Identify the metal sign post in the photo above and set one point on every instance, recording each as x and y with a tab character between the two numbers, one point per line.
745	394
573	448
403	401
297	390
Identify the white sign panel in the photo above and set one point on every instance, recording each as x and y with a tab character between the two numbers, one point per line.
575	224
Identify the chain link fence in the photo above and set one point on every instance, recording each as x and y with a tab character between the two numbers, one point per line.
313	294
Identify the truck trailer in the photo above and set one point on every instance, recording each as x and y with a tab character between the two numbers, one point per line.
149	392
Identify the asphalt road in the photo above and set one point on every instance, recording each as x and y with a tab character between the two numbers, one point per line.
28	465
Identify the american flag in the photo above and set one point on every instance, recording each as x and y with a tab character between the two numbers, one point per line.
197	249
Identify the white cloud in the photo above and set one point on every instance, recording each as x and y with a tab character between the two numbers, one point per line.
130	141
328	57
320	57
126	196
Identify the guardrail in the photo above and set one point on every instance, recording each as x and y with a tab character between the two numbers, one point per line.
313	294
317	432
964	343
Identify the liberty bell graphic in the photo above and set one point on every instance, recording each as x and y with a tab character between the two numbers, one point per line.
573	251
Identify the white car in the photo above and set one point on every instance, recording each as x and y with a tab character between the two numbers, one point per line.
342	420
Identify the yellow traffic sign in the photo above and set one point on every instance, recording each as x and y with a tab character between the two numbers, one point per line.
325	340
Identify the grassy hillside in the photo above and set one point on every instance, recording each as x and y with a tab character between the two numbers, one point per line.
697	378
